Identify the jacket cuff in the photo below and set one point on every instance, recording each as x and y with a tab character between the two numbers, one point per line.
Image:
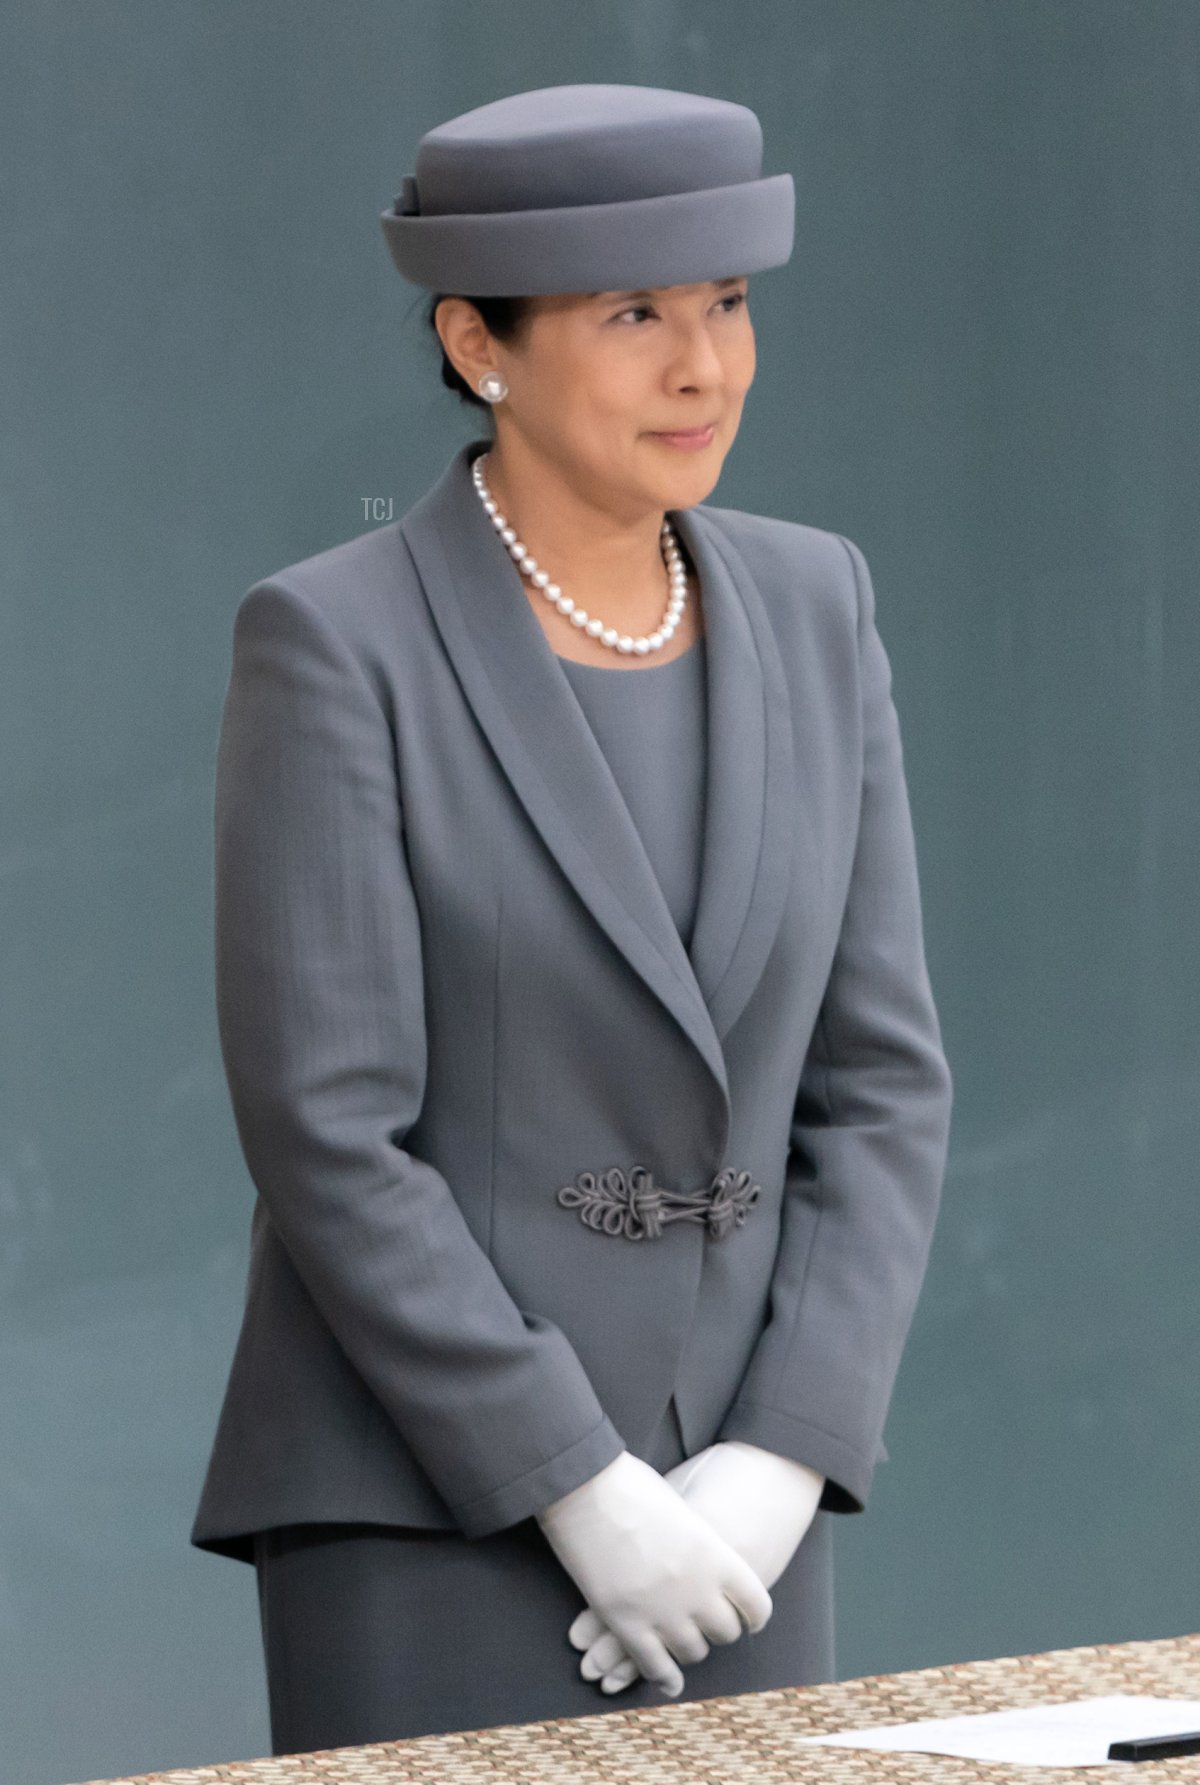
538	1487
847	1473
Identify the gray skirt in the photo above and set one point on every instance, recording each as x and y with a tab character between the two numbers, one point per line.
383	1633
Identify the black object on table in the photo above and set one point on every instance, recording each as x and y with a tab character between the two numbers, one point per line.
1155	1747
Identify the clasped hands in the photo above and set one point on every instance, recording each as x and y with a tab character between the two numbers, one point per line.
672	1564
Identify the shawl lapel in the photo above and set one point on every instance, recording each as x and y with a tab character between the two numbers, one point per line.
528	711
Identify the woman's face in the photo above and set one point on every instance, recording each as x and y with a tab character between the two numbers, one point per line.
598	376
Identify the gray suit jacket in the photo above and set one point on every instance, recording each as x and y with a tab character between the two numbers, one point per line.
449	987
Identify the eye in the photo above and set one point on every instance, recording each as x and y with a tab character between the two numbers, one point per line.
733	298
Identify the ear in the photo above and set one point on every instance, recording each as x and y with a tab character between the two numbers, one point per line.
465	338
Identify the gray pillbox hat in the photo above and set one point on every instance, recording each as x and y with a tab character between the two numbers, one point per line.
590	187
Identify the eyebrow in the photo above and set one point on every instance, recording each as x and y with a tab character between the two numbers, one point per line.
720	284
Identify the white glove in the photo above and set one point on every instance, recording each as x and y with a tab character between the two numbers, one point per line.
760	1502
660	1578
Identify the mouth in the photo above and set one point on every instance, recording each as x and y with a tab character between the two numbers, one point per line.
694	438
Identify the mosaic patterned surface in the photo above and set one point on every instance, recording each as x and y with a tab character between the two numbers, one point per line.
747	1739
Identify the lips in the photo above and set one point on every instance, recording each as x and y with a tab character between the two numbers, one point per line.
687	436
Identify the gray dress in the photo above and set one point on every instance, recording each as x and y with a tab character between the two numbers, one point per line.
376	1632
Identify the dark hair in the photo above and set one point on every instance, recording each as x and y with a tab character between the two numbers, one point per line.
504	317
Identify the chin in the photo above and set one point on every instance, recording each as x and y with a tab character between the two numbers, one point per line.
692	483
682	484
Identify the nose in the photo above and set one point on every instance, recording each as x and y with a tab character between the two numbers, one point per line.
696	361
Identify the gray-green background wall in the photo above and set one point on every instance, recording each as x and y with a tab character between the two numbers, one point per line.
981	364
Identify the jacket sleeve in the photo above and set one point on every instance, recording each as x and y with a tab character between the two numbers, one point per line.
320	1004
869	1140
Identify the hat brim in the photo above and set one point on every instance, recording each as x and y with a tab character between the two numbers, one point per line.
680	238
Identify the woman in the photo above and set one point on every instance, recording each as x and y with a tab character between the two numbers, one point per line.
554	916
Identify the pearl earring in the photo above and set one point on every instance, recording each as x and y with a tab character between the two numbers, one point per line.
492	386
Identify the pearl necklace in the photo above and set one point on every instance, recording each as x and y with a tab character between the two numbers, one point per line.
608	635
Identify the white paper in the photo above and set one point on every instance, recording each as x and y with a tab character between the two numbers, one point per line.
1073	1734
